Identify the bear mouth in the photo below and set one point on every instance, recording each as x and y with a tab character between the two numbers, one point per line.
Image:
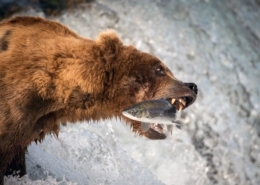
156	130
181	103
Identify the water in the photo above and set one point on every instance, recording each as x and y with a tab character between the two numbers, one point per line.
215	44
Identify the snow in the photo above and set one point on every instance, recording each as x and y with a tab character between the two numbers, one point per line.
212	43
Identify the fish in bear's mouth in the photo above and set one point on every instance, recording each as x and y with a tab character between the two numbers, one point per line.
179	104
156	114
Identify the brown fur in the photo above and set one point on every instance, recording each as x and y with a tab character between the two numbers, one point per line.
50	75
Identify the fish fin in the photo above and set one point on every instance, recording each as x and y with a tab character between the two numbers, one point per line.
178	124
145	126
169	128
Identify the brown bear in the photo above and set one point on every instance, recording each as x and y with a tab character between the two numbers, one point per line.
49	76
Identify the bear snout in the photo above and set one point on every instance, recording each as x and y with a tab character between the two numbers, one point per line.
192	86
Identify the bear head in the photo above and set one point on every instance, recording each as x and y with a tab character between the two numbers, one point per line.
133	76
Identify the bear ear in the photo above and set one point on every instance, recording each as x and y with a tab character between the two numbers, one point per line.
109	44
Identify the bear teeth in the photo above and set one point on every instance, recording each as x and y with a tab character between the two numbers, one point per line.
183	101
180	107
180	103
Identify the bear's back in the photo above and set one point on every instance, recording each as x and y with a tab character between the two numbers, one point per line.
25	25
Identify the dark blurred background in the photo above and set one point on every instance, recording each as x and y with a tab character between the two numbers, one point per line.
49	7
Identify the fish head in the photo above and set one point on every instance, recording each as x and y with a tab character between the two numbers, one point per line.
135	112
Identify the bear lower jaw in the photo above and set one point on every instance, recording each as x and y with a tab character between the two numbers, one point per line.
155	133
159	131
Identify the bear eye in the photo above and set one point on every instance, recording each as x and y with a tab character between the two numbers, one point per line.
160	70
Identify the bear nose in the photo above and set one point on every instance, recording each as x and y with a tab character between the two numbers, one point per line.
192	86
